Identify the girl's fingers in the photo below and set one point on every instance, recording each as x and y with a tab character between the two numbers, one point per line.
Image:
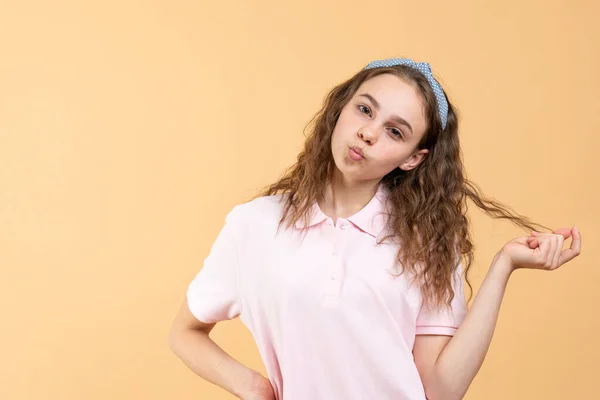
533	242
557	249
548	247
548	257
574	250
565	232
544	251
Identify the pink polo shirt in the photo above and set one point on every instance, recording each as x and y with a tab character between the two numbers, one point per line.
328	318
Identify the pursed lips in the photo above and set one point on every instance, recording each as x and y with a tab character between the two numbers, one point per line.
358	150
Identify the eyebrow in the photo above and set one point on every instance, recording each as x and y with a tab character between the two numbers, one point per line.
396	118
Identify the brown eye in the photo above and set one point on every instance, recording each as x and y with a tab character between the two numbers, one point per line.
364	109
396	132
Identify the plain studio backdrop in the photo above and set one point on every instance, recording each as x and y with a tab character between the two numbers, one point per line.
128	130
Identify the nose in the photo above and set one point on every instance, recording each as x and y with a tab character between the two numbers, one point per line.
366	135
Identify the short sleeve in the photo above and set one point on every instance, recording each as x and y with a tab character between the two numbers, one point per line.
445	321
213	295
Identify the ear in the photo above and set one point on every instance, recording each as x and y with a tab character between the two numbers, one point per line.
414	160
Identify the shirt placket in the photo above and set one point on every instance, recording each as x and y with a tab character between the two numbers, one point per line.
333	287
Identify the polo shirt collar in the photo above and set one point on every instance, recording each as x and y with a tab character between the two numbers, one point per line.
370	219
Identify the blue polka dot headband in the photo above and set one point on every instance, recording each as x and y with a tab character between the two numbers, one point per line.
425	69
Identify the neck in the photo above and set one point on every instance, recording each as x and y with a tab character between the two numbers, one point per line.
343	198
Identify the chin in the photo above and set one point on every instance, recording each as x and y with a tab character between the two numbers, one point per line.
351	173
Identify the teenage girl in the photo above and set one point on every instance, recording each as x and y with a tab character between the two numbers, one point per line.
348	270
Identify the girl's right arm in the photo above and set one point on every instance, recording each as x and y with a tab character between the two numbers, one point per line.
189	340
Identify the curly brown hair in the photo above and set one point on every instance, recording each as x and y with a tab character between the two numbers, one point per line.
428	203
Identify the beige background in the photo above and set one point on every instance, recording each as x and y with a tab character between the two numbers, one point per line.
128	129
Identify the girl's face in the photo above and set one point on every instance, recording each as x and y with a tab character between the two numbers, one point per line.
378	130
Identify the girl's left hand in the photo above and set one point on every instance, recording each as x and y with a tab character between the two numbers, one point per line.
542	250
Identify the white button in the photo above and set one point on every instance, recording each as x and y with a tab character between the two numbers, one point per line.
333	276
343	226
